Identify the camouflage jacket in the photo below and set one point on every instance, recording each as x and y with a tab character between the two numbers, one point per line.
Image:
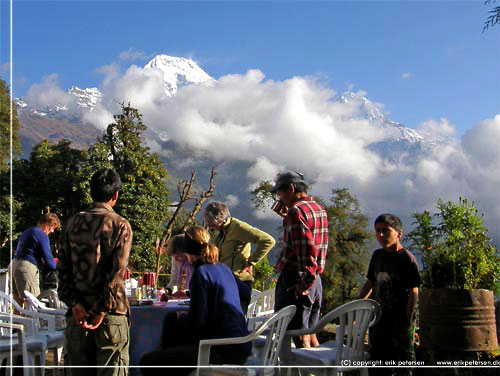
94	253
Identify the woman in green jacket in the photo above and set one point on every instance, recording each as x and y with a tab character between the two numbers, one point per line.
233	238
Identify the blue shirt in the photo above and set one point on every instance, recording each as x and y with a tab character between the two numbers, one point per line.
34	246
214	309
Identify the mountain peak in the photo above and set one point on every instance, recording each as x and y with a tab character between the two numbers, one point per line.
178	71
86	98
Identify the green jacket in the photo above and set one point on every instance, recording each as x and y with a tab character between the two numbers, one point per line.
233	242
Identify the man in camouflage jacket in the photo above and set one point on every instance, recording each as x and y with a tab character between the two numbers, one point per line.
94	253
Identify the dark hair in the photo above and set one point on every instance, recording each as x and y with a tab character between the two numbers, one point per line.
299	187
50	219
390	220
176	245
104	184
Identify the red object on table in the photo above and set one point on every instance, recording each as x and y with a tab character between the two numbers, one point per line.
126	274
149	278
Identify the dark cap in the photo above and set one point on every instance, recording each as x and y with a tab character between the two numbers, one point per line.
287	178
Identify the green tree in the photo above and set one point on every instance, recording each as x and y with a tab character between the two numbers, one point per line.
5	128
5	228
494	16
455	247
264	275
348	252
143	199
6	201
49	178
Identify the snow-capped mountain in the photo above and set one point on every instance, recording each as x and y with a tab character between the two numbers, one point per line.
371	111
86	98
400	144
178	71
77	100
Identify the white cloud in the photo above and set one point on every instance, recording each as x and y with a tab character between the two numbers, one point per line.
295	124
406	75
481	144
132	54
437	129
231	201
100	117
48	93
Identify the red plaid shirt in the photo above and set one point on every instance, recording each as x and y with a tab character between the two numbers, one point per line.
305	240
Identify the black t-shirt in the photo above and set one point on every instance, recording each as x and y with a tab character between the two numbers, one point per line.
392	275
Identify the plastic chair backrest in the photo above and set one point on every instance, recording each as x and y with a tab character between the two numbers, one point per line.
4	280
276	327
52	299
8	304
261	303
32	303
18	344
354	320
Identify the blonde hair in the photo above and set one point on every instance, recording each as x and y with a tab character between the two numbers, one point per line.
49	219
210	253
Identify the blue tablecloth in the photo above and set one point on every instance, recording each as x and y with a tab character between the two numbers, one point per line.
146	327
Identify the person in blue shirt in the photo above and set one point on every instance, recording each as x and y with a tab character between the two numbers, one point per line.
214	312
33	254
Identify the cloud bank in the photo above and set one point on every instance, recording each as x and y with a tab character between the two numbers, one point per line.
297	124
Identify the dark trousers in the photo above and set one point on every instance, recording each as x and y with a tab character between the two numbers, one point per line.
392	341
180	348
246	302
308	306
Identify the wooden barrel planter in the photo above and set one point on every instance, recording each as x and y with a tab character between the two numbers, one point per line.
457	320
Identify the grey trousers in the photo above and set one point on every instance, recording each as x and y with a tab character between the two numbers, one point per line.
25	276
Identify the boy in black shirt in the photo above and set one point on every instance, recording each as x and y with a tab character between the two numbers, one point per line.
392	280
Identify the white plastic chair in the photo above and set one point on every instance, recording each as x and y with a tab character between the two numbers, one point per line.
44	323
11	347
255	292
56	339
260	308
34	304
4	280
354	320
275	325
51	299
35	344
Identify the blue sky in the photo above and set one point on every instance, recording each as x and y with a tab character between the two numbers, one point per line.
428	63
420	59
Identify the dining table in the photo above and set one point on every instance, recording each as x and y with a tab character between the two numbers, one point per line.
146	328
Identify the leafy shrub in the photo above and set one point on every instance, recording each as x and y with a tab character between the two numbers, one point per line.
456	250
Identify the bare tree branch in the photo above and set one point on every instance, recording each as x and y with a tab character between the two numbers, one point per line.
184	188
199	201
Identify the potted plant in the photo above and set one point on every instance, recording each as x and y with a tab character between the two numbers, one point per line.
461	271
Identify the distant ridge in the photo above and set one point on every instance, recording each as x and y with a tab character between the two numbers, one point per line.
399	144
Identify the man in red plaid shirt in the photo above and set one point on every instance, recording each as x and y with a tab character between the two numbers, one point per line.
303	256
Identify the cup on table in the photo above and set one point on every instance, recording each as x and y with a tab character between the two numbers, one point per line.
148	285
